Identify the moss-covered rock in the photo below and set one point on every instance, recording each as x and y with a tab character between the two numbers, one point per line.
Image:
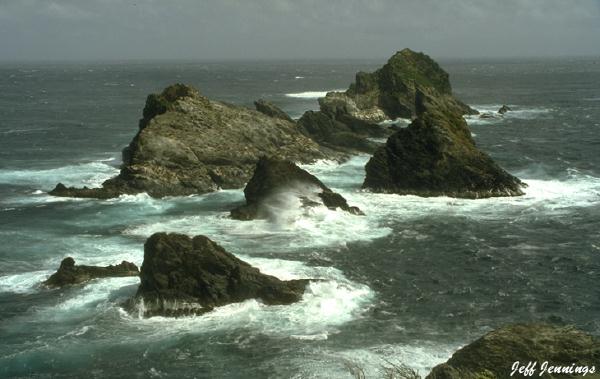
389	92
436	156
493	356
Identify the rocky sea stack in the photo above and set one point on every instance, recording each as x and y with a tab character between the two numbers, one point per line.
188	144
275	180
69	273
186	276
493	355
436	156
389	92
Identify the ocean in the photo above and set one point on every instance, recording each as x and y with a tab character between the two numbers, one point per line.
409	283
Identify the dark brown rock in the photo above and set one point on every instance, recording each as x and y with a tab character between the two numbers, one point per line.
183	276
69	273
436	156
504	109
274	177
271	110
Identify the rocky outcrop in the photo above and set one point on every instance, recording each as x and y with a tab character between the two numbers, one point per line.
504	109
389	92
69	273
493	355
275	180
271	110
436	156
188	144
343	133
185	276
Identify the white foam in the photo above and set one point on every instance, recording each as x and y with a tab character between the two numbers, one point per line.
311	94
89	174
516	112
420	356
26	282
325	305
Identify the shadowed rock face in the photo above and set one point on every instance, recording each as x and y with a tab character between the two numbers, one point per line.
389	92
273	177
271	110
183	276
341	132
436	156
492	356
69	273
188	144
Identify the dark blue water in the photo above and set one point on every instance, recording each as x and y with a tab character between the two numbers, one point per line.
410	282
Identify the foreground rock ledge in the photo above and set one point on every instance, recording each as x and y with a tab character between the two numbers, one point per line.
436	156
492	356
69	273
190	276
275	181
188	144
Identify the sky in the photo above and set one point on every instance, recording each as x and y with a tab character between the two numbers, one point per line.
295	29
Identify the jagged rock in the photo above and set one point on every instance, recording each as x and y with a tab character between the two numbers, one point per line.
188	144
69	273
436	156
345	133
493	355
504	109
271	110
275	177
184	276
389	92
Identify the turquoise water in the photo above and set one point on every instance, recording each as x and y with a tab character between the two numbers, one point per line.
410	282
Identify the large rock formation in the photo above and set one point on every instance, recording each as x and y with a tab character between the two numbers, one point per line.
389	92
188	144
272	184
183	276
69	273
493	356
436	156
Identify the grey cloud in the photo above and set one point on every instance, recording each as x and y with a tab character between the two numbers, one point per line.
294	29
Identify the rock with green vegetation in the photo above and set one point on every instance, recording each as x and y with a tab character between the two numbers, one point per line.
184	276
188	144
271	110
69	273
436	156
280	184
389	92
493	356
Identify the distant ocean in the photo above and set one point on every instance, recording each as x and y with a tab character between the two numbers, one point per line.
409	283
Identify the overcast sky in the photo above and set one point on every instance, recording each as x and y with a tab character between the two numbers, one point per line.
292	29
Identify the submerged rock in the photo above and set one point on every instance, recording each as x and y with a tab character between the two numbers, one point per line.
69	273
271	110
493	355
389	92
504	109
436	156
184	276
275	180
188	144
